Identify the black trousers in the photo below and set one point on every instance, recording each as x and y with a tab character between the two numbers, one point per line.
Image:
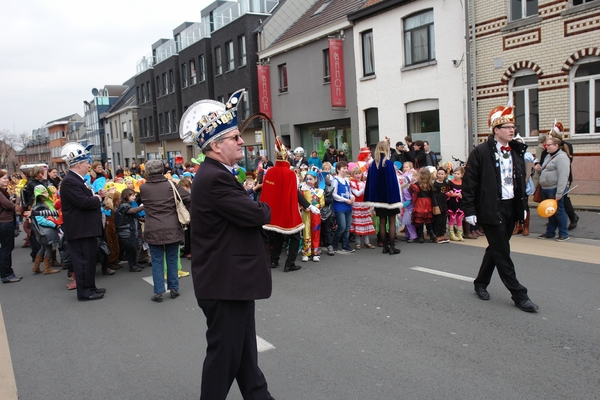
277	239
439	224
231	351
83	257
497	254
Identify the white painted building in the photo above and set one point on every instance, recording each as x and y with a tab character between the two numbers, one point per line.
411	71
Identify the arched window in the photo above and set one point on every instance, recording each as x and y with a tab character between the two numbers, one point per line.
585	96
524	90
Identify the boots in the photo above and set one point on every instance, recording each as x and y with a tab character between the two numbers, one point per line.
393	250
55	263
468	234
459	235
518	228
385	241
452	235
36	266
526	224
48	267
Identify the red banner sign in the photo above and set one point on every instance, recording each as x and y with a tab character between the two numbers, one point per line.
336	71
264	90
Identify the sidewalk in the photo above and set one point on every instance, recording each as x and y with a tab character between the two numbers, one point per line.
587	202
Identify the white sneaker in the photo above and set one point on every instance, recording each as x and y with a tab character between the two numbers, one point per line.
316	258
304	258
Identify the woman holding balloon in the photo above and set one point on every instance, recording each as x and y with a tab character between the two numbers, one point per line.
554	180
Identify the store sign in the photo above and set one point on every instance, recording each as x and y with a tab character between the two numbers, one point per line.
264	90
336	67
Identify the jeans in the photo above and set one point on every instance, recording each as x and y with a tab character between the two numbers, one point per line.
7	244
559	219
157	252
344	220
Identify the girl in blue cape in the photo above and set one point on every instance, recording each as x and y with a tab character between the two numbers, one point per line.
383	192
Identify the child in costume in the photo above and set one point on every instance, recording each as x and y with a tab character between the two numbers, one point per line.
327	215
46	231
410	232
455	212
440	207
127	228
362	224
312	222
422	214
342	205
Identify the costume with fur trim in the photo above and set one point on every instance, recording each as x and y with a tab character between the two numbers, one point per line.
382	190
280	192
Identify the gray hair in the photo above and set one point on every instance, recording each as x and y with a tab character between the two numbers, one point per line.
154	167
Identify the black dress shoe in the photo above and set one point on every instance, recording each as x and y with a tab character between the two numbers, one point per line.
274	265
573	224
482	293
100	290
527	305
95	296
291	268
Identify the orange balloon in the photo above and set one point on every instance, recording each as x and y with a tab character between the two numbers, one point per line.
547	208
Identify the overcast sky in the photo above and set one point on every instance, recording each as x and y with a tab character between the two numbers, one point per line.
53	53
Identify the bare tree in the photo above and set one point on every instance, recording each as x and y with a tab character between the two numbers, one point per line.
8	141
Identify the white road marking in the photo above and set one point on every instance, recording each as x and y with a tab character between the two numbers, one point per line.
261	344
442	273
7	374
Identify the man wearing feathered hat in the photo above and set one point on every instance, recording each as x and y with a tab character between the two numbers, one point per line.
82	220
494	197
230	251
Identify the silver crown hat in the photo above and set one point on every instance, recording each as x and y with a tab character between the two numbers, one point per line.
207	120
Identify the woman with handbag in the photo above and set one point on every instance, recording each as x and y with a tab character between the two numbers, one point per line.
163	231
7	231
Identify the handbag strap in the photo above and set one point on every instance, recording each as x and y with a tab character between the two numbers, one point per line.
176	195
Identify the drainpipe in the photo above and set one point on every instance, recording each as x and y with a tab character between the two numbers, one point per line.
471	77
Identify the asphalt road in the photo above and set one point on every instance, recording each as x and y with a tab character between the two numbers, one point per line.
360	326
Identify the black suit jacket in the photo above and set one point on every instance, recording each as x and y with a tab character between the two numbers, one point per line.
81	209
230	250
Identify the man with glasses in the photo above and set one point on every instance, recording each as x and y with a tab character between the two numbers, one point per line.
494	196
230	252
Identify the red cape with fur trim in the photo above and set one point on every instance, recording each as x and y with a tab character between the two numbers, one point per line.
280	192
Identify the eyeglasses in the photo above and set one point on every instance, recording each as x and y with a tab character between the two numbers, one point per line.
235	138
508	127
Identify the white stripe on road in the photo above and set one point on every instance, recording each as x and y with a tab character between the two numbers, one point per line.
8	385
261	344
442	273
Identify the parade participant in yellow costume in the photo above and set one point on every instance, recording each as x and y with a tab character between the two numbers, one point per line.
312	221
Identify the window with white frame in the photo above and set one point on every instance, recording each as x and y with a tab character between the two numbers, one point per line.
524	88
368	57
202	68
419	38
579	2
229	50
193	76
218	61
124	129
242	50
326	70
520	9
283	80
585	81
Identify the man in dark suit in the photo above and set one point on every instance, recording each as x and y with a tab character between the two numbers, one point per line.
82	220
494	196
230	254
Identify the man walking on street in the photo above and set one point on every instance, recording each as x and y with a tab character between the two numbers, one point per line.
494	196
230	253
